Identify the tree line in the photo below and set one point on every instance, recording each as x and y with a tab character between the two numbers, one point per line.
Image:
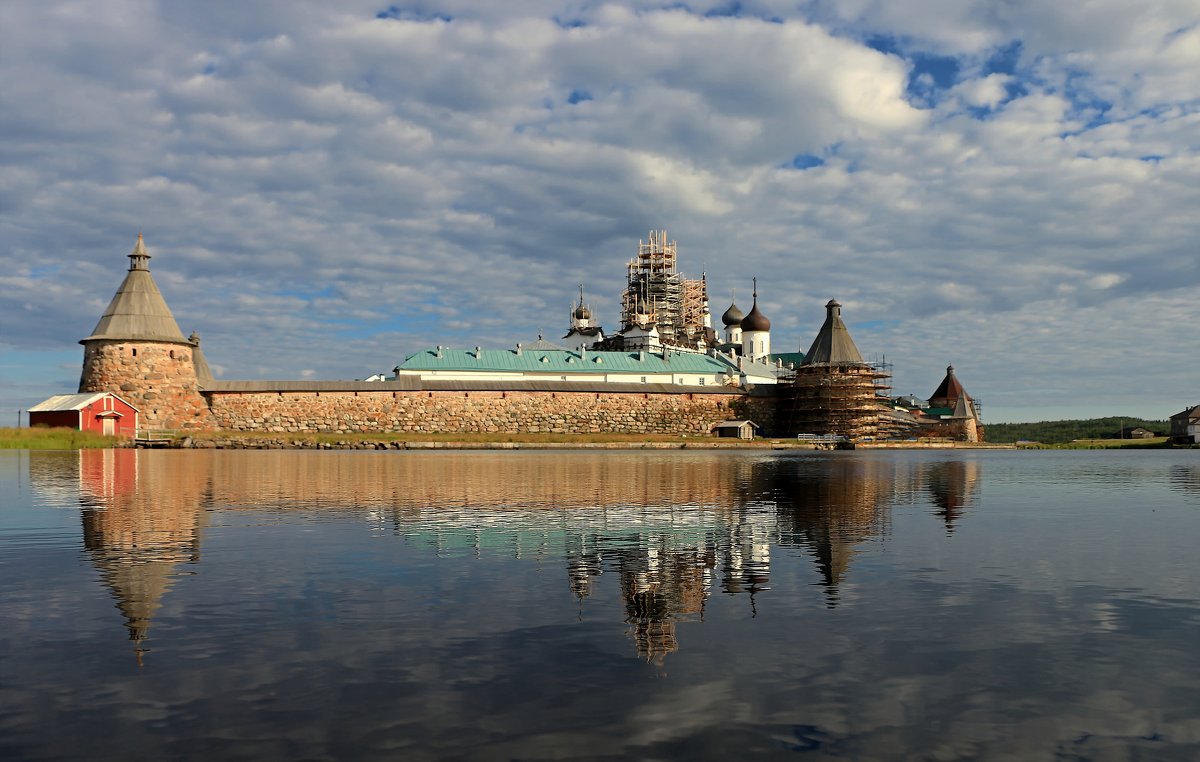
1061	432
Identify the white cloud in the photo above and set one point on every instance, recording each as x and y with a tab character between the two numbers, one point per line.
326	190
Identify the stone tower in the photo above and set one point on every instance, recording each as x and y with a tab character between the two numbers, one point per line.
138	352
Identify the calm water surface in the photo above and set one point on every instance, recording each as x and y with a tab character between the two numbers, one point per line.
661	605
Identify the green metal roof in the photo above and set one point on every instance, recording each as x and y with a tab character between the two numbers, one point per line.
562	361
795	358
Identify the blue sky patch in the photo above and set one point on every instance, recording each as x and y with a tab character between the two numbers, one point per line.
396	13
327	292
578	96
931	73
943	70
1004	59
807	161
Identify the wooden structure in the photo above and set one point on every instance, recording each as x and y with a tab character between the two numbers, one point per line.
1185	425
98	412
738	429
677	306
833	391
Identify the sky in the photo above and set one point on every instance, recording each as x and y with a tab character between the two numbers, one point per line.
1009	187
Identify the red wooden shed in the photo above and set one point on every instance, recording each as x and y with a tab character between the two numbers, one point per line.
98	412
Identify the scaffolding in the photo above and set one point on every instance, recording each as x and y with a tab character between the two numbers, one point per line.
677	306
695	307
846	400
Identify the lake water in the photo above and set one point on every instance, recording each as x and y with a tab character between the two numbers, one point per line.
599	604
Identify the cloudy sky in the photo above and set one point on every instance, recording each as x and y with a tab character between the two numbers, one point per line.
1012	187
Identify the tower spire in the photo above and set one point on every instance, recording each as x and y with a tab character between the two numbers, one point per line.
139	257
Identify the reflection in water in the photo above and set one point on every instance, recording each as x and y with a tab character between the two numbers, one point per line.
514	605
1186	478
829	509
139	524
952	485
667	529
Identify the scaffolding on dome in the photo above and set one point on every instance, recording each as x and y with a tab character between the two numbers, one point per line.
678	306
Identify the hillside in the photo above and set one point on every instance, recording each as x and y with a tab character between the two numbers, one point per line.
1059	432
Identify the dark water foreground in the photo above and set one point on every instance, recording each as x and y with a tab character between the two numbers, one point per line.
661	605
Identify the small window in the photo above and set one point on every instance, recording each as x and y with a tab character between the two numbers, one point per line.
564	378
701	380
172	354
643	379
135	351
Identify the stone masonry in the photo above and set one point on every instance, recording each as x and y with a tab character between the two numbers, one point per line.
157	378
481	412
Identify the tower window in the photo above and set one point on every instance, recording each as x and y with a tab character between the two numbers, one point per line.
135	351
172	354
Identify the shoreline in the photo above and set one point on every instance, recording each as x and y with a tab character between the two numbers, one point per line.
275	443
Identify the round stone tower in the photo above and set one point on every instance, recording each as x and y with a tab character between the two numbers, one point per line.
137	352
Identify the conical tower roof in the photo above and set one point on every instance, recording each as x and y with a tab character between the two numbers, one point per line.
137	311
833	345
949	391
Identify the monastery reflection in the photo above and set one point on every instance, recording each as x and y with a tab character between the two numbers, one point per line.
831	507
139	525
671	529
952	485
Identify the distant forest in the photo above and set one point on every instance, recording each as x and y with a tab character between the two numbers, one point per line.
1060	432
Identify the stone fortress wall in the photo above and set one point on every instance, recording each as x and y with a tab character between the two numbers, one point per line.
137	352
458	412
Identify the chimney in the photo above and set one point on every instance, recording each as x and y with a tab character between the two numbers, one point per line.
478	352
641	355
439	352
518	349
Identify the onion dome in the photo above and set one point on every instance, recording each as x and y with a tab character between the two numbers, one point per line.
582	312
732	316
755	320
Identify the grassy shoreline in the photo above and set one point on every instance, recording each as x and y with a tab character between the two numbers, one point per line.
41	438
